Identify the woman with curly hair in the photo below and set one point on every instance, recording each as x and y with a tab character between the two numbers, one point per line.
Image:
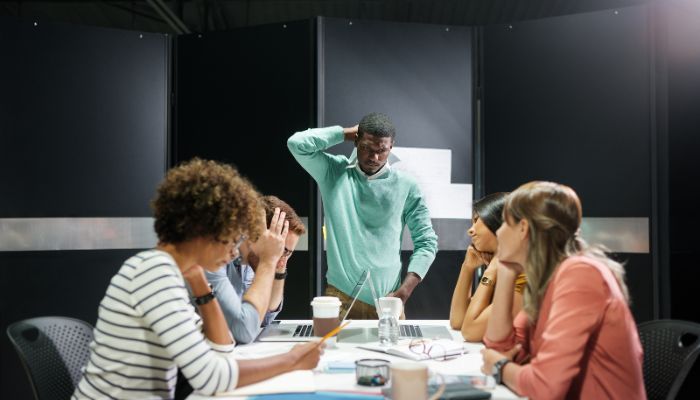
469	311
147	328
576	328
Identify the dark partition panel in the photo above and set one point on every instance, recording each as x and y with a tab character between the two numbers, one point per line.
239	95
83	117
83	133
680	24
683	52
569	99
420	76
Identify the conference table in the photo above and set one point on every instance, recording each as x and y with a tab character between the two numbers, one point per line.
325	379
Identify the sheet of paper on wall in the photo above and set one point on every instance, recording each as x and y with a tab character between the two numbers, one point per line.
425	165
432	169
448	200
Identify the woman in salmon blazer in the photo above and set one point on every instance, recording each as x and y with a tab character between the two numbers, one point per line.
575	337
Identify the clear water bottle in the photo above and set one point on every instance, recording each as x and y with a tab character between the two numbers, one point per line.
388	328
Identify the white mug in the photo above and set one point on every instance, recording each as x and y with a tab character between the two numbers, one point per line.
393	304
409	381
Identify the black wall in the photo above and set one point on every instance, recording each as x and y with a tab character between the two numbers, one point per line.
239	95
569	99
421	77
682	49
82	134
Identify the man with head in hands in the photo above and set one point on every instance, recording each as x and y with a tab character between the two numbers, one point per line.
250	288
366	205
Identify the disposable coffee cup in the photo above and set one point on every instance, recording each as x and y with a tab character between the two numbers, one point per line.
326	312
393	305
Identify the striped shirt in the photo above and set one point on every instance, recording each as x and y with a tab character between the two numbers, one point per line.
147	329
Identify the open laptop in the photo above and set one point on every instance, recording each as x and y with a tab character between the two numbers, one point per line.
406	330
294	332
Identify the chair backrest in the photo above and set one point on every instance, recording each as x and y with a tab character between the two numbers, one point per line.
670	350
53	351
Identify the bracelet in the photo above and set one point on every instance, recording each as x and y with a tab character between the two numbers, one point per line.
281	275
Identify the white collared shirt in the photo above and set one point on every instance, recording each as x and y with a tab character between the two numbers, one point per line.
383	170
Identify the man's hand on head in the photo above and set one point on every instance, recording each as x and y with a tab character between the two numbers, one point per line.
350	133
270	245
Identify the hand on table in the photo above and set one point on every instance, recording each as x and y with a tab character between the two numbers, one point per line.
490	357
306	355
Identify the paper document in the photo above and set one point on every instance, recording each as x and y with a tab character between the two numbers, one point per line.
291	382
418	350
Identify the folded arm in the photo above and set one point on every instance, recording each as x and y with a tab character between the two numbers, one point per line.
242	318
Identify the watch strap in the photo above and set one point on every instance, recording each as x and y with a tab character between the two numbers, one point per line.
202	300
498	369
486	281
281	275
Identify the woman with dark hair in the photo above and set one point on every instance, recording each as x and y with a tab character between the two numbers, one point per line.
576	328
469	311
147	328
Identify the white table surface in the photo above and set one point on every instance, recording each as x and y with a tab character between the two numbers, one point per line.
467	364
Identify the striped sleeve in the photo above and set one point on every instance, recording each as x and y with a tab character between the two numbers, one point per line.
161	297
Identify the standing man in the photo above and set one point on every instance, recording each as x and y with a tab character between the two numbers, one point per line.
249	290
366	205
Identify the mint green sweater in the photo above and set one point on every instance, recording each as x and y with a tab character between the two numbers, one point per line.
364	218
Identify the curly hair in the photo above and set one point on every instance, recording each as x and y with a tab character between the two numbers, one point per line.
202	198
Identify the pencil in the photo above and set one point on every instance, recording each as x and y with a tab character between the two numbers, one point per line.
333	332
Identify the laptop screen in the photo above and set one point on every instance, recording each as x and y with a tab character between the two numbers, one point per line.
365	278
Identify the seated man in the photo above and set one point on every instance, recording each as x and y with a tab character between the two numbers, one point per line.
249	292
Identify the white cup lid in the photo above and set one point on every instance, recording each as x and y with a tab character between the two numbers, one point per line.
326	301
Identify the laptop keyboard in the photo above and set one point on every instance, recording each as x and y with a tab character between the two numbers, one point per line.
410	331
303	331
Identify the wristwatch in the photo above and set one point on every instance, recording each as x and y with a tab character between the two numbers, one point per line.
202	300
486	281
497	370
281	275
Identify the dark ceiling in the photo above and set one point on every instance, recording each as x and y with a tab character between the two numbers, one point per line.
209	15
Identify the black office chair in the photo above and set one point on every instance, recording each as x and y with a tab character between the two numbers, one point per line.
53	351
670	350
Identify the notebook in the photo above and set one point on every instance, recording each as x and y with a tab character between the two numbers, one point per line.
453	391
420	350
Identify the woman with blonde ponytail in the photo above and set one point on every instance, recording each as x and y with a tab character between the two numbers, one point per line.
576	337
